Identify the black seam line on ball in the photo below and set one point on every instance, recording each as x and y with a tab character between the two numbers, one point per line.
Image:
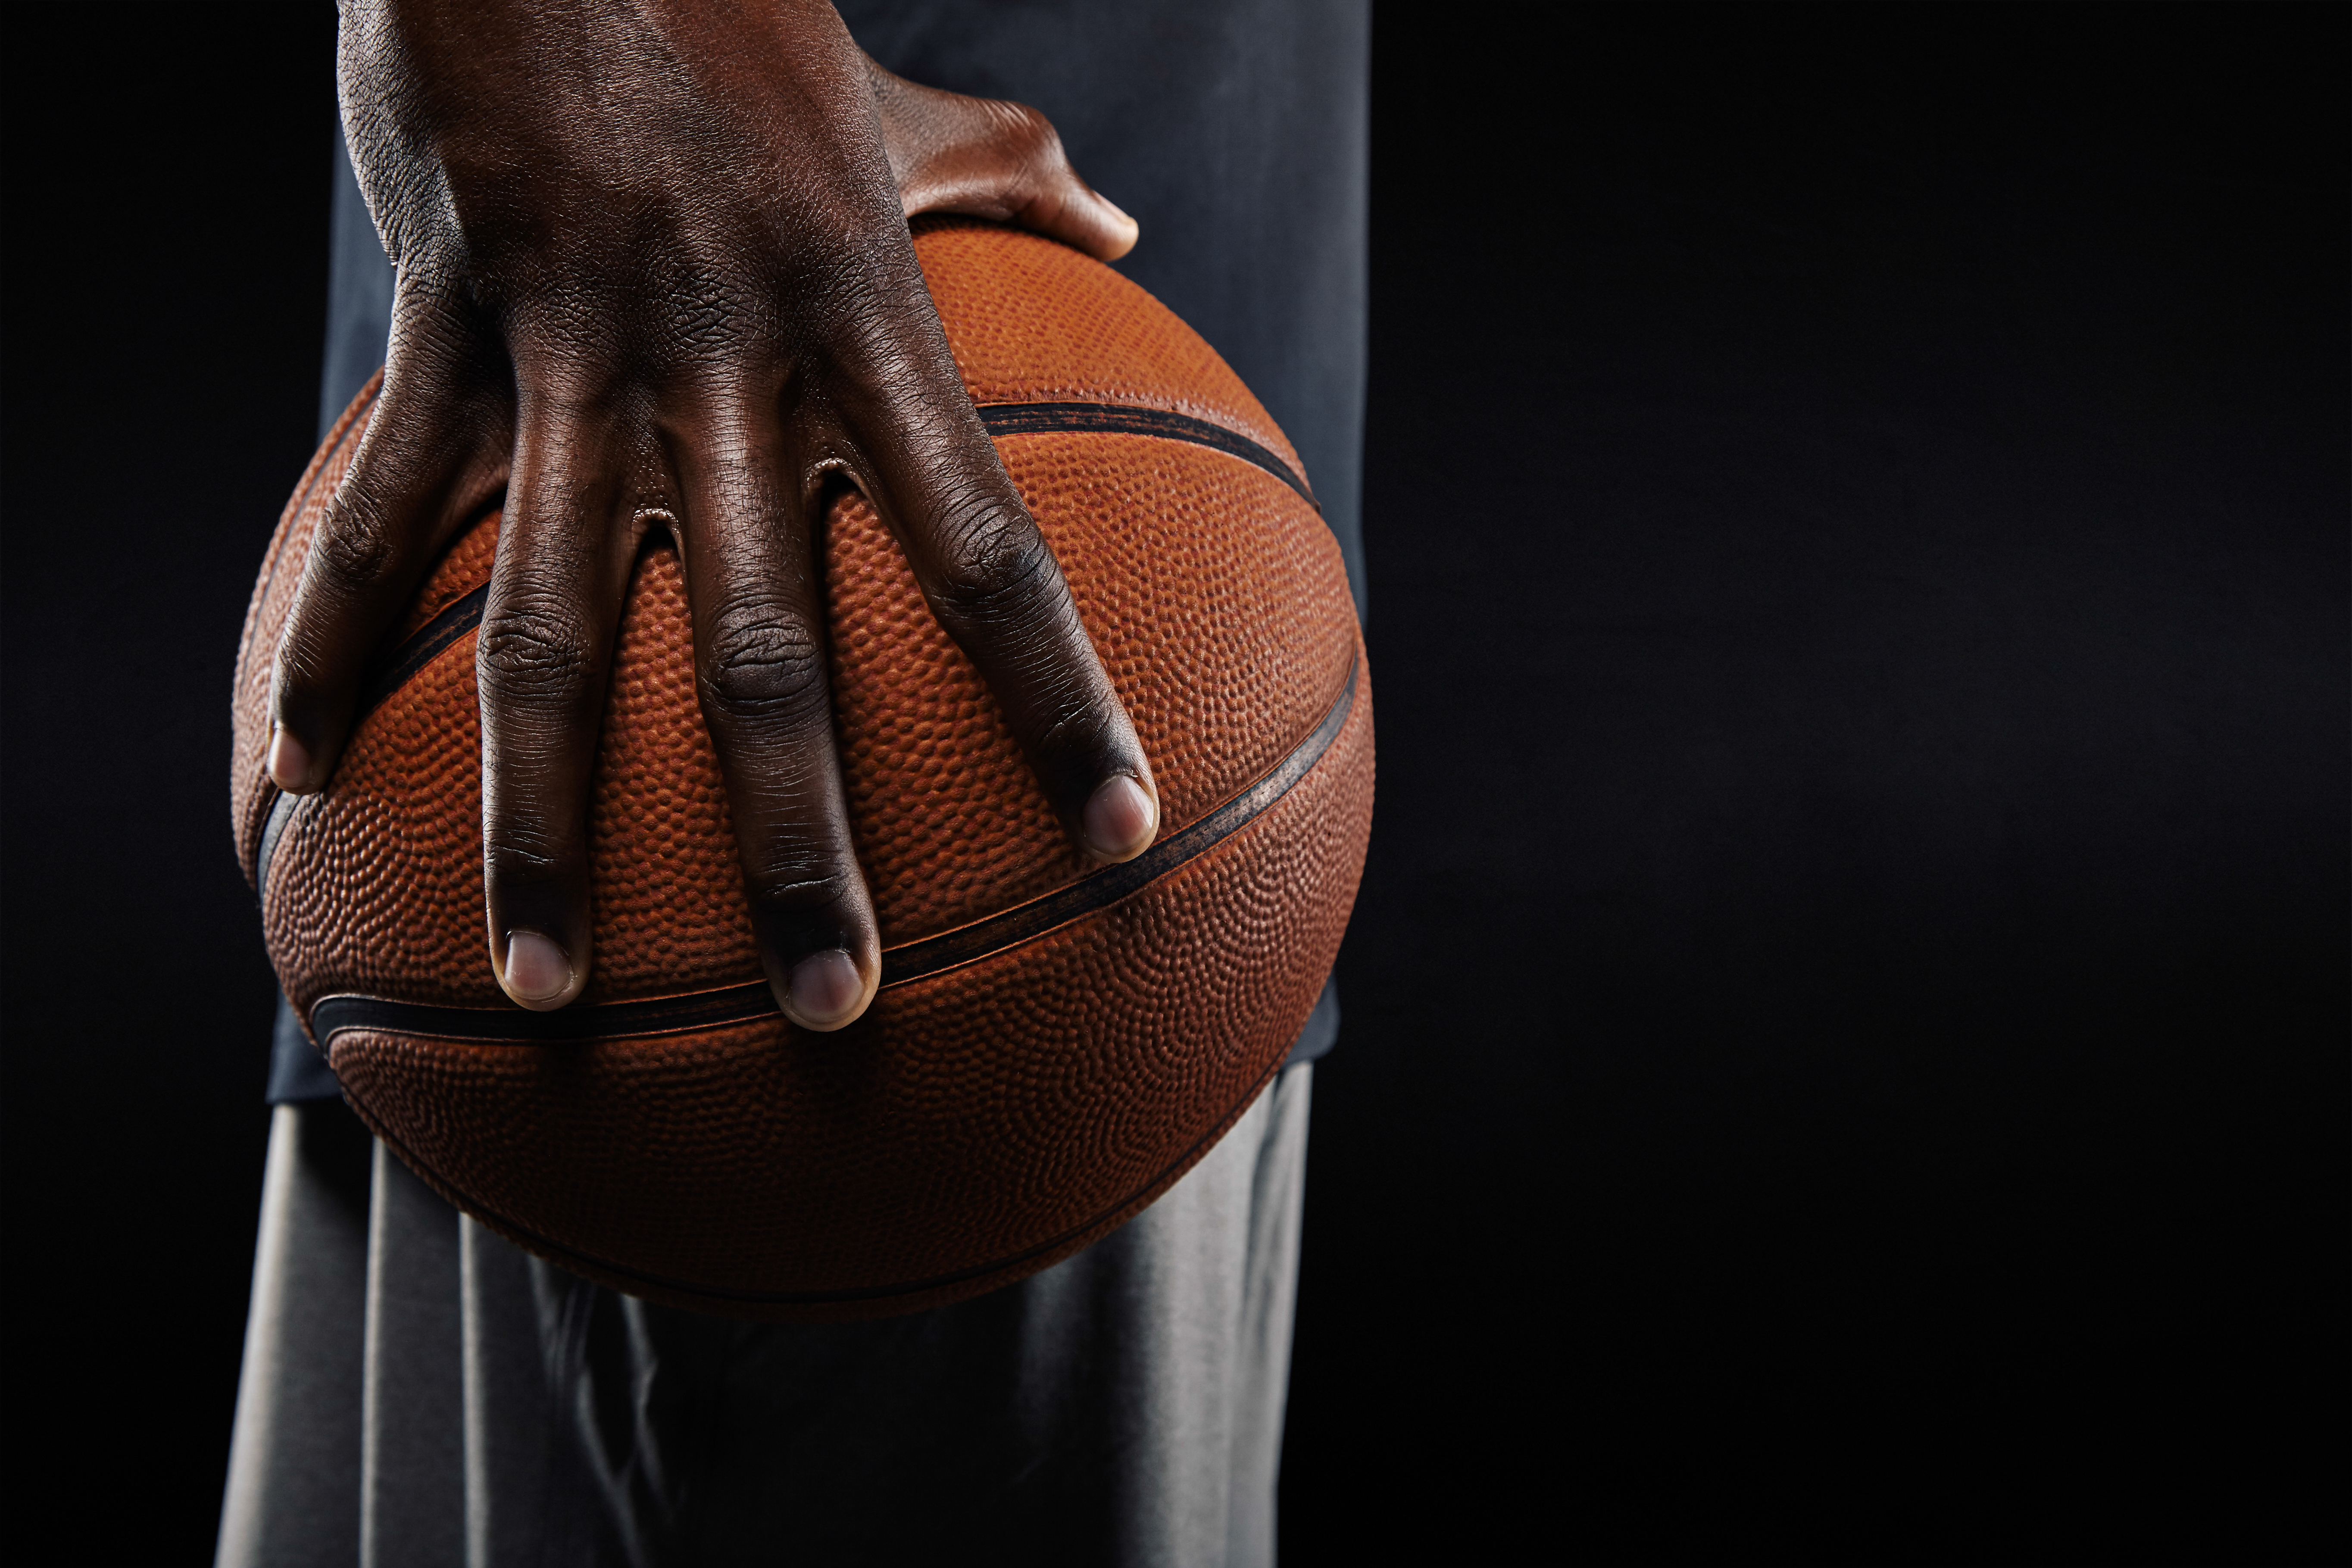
409	661
901	965
430	641
1119	419
592	1262
281	812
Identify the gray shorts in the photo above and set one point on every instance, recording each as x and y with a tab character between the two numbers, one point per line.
417	1392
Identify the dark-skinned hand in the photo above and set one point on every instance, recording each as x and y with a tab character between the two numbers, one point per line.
654	273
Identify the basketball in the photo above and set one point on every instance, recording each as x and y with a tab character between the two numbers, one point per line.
1055	1042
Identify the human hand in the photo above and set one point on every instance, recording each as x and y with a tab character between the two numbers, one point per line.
983	157
653	273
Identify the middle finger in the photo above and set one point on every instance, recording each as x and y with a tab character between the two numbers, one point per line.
766	696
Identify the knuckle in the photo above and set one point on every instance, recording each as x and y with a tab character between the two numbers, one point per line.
997	573
1075	736
763	663
356	546
533	649
1032	136
295	675
523	855
796	880
300	680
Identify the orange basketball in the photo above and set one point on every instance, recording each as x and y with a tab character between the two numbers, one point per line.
1054	1044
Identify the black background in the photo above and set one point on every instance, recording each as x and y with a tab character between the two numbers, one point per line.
1846	1016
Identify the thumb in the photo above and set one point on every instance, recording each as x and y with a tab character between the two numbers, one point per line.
983	157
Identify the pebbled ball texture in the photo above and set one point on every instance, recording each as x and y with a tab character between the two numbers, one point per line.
978	1124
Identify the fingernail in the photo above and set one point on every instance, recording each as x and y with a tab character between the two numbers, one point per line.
825	989
290	763
536	968
1124	242
1120	819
